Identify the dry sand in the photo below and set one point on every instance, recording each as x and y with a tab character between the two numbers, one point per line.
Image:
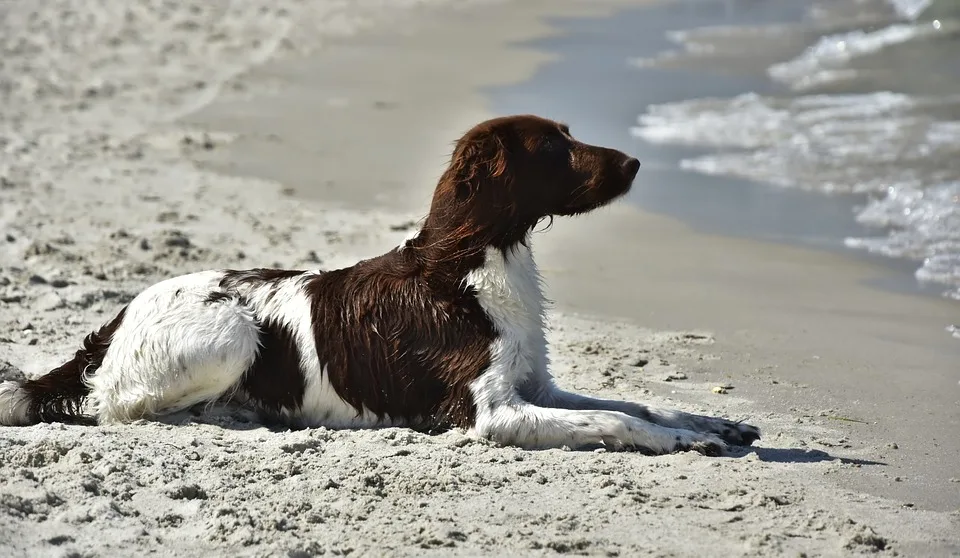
101	195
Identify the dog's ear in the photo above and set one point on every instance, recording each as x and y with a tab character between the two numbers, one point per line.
476	161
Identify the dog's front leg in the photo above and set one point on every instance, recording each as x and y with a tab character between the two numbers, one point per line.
520	423
734	433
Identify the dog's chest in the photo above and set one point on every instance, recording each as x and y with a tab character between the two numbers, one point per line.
508	289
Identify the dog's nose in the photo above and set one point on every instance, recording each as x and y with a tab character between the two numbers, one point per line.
630	167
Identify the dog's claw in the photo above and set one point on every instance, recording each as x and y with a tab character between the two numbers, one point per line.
706	444
710	449
739	434
732	433
748	437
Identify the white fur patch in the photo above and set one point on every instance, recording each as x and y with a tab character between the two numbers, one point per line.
508	290
173	350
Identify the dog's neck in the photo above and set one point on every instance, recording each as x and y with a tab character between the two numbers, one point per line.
443	260
454	248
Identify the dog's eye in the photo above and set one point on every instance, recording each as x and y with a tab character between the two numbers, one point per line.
552	144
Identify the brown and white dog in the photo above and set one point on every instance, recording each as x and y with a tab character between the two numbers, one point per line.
444	331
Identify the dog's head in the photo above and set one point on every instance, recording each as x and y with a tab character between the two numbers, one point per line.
508	173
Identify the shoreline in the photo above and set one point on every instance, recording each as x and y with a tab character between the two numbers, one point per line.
709	204
121	212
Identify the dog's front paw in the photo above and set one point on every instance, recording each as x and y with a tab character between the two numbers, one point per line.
705	444
734	433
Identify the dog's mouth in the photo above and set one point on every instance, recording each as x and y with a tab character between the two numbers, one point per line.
618	187
613	182
602	194
619	183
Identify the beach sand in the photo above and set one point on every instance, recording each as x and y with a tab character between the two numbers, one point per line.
149	141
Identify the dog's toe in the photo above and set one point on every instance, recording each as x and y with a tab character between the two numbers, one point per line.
737	434
702	443
730	432
710	449
748	434
733	433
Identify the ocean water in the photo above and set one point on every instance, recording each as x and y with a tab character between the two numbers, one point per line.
861	97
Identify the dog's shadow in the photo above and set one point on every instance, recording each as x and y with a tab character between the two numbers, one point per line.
226	417
794	455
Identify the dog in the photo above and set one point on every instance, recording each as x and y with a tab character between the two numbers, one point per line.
445	330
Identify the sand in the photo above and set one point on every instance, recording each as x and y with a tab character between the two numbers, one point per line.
142	141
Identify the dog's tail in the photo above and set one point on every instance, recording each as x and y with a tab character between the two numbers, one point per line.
58	395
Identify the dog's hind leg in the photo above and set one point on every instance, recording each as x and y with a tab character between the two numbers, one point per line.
178	346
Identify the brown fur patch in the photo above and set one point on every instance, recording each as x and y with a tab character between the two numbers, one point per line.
398	343
274	381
